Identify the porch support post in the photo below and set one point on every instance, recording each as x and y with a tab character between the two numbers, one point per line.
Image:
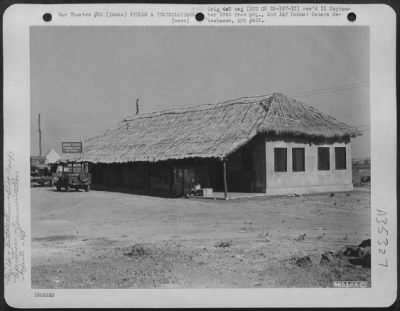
225	182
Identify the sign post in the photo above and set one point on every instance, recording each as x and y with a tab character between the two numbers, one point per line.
71	147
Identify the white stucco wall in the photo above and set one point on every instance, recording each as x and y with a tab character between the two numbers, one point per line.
311	180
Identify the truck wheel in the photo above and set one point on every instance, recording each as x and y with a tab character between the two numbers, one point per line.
76	188
84	177
87	188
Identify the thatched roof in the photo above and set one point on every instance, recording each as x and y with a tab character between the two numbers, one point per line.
210	131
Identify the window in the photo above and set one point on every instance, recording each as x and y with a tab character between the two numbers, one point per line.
340	158
280	159
298	159
73	168
323	159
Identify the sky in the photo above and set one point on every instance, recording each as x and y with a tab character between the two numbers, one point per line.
86	79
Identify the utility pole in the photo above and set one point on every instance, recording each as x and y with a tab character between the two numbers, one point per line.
40	138
137	105
82	148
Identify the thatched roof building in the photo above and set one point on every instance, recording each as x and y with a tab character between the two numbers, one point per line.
210	131
269	144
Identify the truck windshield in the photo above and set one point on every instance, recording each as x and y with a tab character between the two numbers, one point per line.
76	168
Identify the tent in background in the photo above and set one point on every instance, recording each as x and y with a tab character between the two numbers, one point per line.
52	157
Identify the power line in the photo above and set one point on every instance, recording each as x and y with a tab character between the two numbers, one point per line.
331	89
335	87
326	92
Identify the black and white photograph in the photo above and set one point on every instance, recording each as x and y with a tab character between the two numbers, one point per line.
187	176
200	157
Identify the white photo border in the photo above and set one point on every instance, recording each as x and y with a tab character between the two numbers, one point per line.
380	18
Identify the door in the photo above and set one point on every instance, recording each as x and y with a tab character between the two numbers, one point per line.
178	181
188	180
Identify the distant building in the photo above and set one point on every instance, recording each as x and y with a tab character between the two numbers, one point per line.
38	160
361	171
269	144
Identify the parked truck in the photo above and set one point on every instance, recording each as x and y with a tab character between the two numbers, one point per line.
73	175
41	172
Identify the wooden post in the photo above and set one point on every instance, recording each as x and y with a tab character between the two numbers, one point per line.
170	178
225	182
137	105
81	148
40	137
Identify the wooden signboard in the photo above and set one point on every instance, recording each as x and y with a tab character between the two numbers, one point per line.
71	147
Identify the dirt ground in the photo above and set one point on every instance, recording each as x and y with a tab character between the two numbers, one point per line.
85	240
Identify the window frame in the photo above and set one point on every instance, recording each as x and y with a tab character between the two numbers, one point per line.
275	160
304	159
344	159
319	162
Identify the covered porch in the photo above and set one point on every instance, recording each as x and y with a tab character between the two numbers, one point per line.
239	173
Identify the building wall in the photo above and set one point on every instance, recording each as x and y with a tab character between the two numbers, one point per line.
246	167
259	166
166	178
311	180
118	177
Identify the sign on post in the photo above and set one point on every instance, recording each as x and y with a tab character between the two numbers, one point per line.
71	147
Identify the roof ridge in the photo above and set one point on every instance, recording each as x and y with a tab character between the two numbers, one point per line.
202	107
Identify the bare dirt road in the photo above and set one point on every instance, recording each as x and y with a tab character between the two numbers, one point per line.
85	240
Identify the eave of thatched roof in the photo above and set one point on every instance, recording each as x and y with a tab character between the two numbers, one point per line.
210	131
